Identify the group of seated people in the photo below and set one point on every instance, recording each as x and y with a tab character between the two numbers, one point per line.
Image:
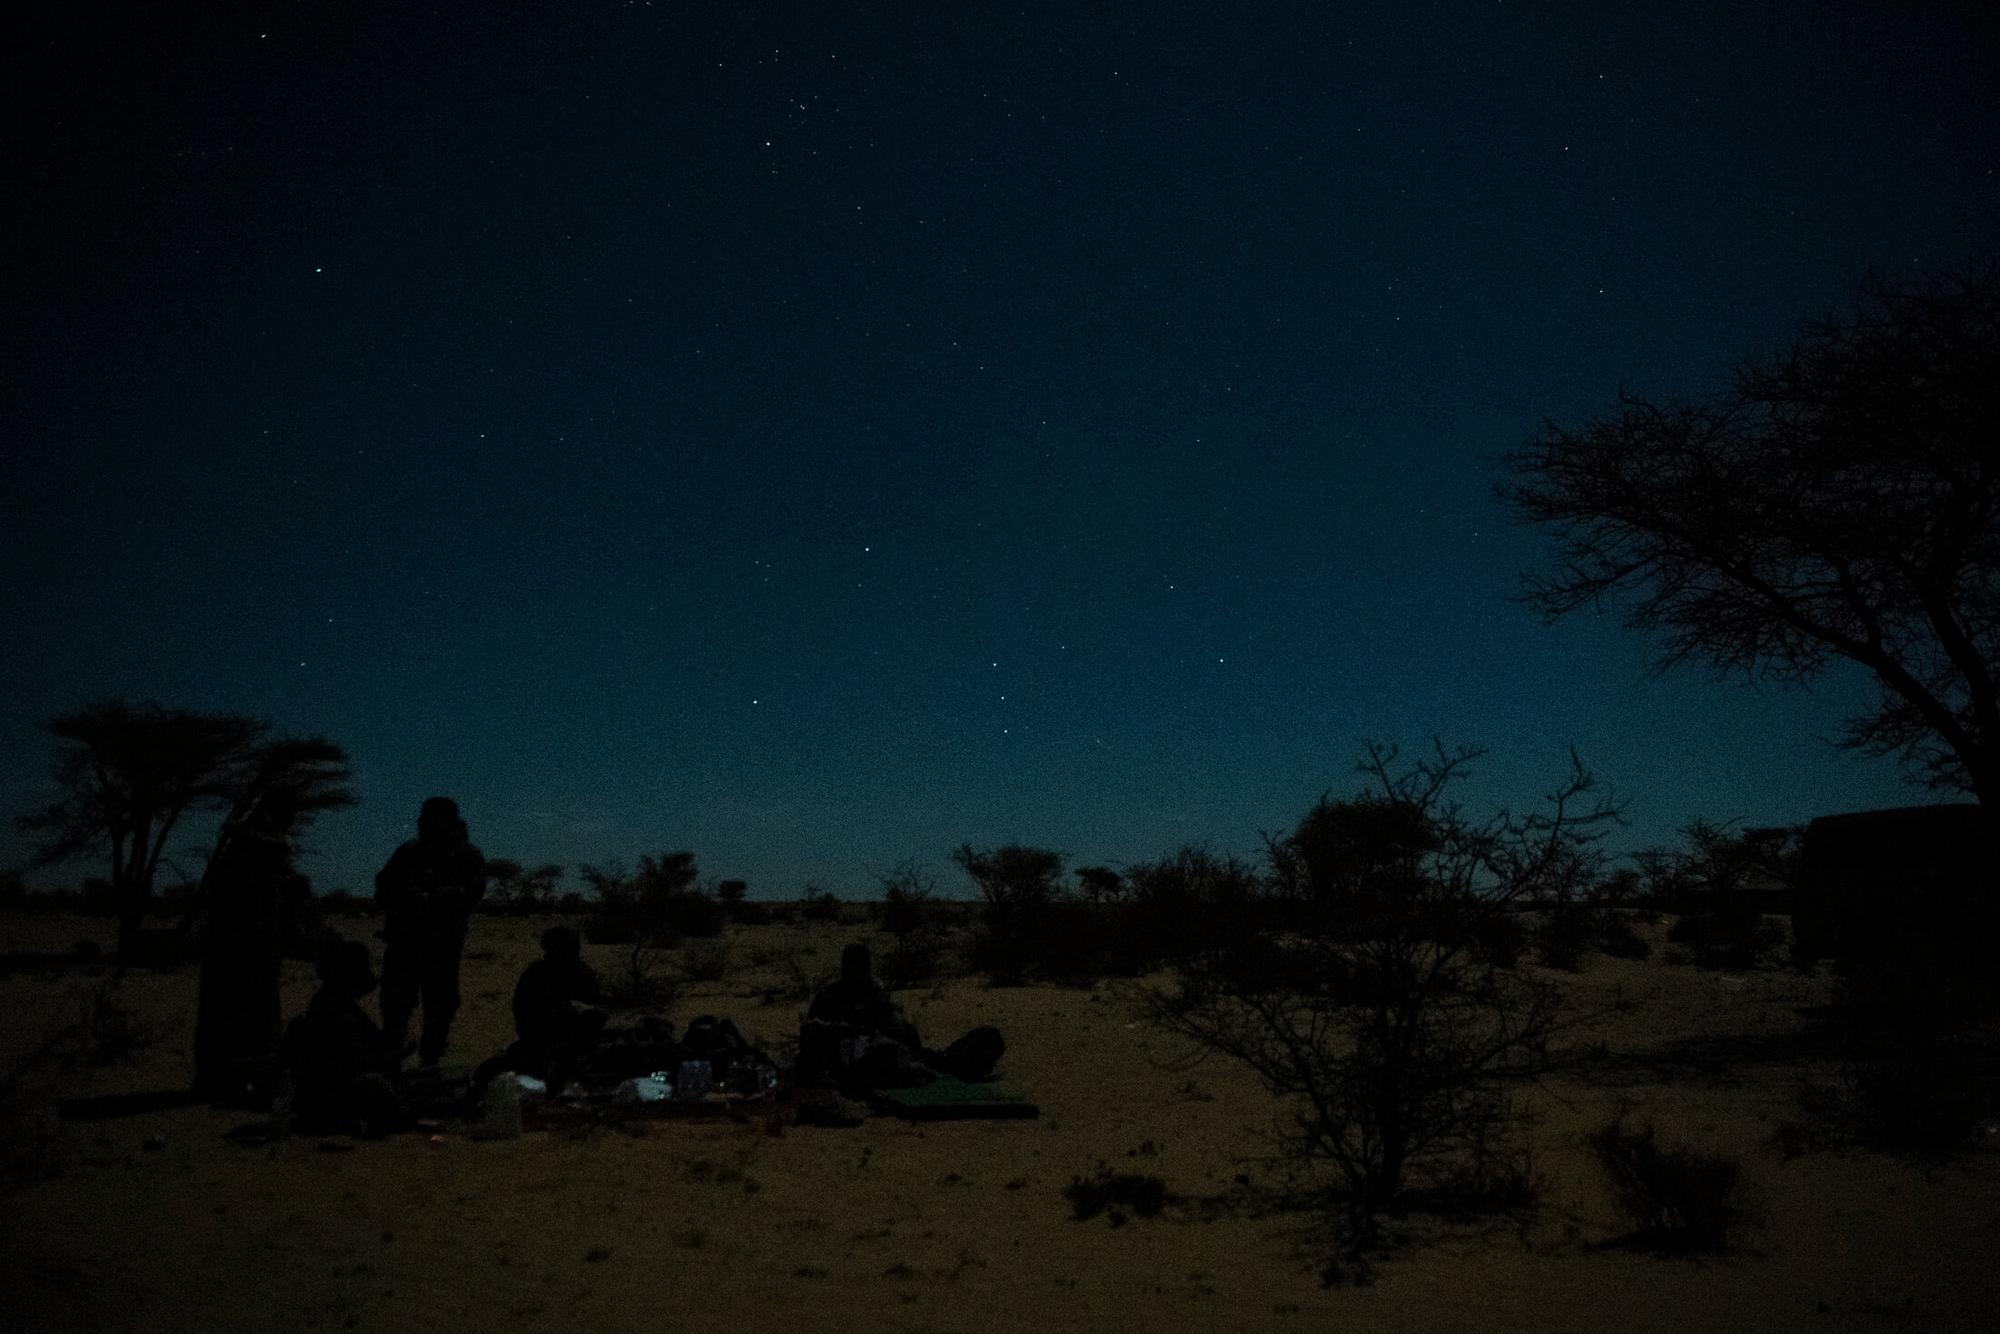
345	1073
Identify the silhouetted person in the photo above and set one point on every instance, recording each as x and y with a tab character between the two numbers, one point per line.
554	1025
853	1034
238	1015
857	999
340	1062
426	894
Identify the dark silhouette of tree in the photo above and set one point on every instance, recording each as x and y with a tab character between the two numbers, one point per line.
1838	500
1388	1036
127	773
1101	884
648	907
1013	874
907	893
1342	849
512	887
1018	884
307	775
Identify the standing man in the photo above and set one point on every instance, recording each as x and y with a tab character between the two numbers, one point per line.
237	1017
426	894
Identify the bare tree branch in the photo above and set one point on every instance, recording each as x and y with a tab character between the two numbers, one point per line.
1837	501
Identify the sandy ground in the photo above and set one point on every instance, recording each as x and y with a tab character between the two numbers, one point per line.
157	1222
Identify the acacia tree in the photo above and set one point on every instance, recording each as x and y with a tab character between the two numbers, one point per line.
1839	500
647	907
522	889
1019	884
307	774
1388	1035
127	773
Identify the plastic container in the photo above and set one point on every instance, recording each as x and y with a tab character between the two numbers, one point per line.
500	1118
655	1087
284	1100
693	1079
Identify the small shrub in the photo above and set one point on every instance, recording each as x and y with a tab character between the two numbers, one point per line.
1113	1192
1080	944
906	900
1499	939
113	1032
1677	1199
1727	939
796	983
1621	941
1190	902
611	928
819	905
1911	1094
1563	938
640	990
692	914
1017	886
706	961
912	961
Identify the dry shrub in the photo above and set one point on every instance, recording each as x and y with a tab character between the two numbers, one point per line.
1727	939
1564	938
640	989
1911	1093
1618	938
1500	940
914	960
1677	1199
608	926
907	893
706	961
819	905
1112	1193
796	983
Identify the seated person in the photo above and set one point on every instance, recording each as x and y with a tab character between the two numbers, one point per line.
858	1001
339	1060
856	1037
553	1027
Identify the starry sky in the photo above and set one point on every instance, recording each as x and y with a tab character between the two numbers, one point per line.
818	435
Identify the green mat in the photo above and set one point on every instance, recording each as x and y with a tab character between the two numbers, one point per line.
948	1099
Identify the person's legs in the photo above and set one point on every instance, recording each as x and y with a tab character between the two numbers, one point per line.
440	989
402	974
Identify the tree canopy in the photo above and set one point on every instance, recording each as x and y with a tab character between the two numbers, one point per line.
1837	500
127	772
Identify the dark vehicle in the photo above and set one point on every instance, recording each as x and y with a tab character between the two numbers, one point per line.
1876	881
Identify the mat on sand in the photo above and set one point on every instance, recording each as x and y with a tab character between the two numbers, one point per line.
948	1099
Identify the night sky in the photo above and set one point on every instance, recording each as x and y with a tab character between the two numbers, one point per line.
817	435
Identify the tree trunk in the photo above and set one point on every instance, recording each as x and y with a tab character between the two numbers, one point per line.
130	902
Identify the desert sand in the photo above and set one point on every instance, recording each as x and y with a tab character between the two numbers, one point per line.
158	1222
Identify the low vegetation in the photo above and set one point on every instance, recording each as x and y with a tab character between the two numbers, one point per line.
1116	1195
1673	1198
